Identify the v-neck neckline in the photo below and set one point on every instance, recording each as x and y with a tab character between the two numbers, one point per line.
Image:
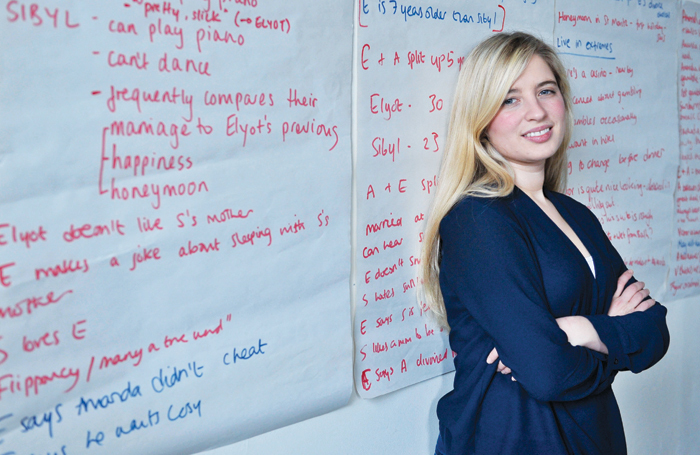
574	227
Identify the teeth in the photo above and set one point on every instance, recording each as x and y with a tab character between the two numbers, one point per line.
538	133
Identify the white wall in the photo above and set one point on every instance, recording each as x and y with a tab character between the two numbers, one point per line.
687	368
660	410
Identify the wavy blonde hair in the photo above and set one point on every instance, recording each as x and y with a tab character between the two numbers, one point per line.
471	166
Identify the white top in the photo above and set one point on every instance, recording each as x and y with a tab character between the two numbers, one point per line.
589	259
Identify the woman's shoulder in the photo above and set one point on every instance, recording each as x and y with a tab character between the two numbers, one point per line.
576	208
474	210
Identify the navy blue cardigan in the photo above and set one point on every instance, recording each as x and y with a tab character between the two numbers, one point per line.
507	271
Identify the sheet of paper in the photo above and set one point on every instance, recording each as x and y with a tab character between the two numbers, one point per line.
684	274
404	95
175	187
621	57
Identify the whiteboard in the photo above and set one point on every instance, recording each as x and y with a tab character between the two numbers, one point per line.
175	187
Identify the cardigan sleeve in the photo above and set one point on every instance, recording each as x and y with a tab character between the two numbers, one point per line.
489	263
635	341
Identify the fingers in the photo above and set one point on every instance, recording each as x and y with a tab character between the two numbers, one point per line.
632	299
638	297
622	281
645	305
631	290
493	355
503	369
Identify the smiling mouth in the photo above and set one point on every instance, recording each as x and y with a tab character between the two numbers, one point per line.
538	133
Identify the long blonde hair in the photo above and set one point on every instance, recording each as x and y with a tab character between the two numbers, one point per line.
471	166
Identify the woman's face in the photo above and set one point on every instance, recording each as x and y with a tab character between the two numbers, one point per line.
529	126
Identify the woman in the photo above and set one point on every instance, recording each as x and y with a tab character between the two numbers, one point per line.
526	275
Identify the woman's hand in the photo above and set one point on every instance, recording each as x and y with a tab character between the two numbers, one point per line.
492	357
580	332
626	301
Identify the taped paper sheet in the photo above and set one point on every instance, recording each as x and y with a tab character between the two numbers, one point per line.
174	222
407	66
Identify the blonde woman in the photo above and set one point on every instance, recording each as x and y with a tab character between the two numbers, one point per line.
523	275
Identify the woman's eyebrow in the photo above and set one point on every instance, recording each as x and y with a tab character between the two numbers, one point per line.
541	84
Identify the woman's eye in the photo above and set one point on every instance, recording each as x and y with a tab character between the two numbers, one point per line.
547	91
509	101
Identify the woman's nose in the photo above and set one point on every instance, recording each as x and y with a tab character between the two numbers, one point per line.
534	109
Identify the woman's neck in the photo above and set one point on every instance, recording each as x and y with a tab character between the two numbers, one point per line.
530	181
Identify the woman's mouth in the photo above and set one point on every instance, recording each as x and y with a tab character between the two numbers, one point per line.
539	133
539	136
